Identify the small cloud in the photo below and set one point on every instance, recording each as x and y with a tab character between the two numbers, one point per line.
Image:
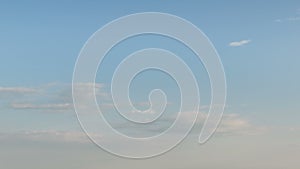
294	18
48	136
88	89
235	124
231	124
51	97
60	106
17	90
239	43
297	18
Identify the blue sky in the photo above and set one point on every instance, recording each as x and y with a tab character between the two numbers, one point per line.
258	43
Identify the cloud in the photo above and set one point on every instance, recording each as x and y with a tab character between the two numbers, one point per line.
42	106
234	124
289	19
58	98
231	124
239	43
85	88
17	90
47	136
52	97
294	18
297	18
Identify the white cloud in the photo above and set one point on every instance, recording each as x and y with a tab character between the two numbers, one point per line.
18	90
54	96
48	136
294	18
87	89
235	124
58	98
297	18
239	43
41	106
231	124
289	19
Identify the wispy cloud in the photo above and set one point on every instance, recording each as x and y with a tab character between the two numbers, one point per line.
47	136
294	18
231	124
41	106
52	97
290	19
58	98
237	125
239	43
17	90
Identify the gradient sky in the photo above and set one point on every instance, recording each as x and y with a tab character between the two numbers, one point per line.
258	43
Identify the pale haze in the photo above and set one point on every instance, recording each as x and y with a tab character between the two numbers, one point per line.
258	44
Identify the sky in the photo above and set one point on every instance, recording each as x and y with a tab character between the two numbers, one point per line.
258	44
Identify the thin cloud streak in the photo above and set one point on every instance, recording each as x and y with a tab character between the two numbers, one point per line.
294	18
239	43
47	136
20	90
41	106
